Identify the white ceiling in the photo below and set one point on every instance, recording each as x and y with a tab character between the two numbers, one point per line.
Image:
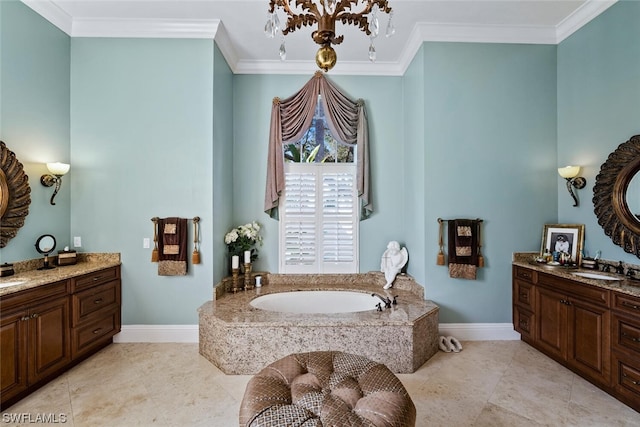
237	26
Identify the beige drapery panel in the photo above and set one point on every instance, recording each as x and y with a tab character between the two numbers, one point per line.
290	119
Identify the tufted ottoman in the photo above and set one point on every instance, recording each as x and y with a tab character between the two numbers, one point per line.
326	388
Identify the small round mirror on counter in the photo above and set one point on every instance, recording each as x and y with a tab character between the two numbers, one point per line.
45	245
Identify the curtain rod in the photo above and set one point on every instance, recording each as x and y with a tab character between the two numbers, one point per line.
194	219
446	220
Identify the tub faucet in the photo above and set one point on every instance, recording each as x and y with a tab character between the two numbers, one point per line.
386	301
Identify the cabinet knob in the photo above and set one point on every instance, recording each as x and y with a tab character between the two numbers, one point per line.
95	331
634	339
628	304
97	301
34	315
631	381
95	279
23	318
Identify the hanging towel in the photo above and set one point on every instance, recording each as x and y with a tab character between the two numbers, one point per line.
463	248
172	246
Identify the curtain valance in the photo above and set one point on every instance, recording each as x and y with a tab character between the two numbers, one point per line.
290	119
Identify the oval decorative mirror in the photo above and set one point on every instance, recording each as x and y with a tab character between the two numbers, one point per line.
616	196
14	195
45	245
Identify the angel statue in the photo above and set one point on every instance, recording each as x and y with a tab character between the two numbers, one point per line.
393	260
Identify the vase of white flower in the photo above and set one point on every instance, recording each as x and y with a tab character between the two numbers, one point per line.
243	238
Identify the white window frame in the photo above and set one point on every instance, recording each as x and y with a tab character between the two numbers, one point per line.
316	218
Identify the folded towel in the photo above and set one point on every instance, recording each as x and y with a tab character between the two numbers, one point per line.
463	248
172	246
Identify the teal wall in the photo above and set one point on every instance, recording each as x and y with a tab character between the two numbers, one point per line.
598	109
162	127
489	152
141	143
222	164
414	205
34	118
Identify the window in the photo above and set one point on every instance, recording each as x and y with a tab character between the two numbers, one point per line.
319	208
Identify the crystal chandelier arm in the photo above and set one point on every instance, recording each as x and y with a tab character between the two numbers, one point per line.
360	18
294	20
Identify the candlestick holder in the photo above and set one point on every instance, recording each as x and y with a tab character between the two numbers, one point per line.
235	282
248	283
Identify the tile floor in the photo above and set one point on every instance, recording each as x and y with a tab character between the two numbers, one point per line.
489	383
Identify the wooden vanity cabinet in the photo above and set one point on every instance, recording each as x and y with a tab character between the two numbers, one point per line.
626	348
35	337
47	329
593	331
574	326
95	309
524	302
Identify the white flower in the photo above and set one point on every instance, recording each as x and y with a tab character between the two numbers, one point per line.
231	237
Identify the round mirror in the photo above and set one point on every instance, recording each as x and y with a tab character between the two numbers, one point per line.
633	196
46	244
14	195
616	196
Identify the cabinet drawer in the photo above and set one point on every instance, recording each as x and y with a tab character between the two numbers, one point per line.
523	294
626	303
101	297
525	274
29	296
95	333
627	381
95	278
523	322
579	290
626	334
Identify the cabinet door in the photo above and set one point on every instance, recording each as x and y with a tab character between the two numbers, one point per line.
589	340
49	342
13	350
551	322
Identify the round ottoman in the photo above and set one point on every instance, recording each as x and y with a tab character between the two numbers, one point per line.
326	388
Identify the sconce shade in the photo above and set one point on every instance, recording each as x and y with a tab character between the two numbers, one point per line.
58	168
568	172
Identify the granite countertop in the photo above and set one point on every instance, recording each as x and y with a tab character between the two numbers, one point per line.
624	285
28	279
235	308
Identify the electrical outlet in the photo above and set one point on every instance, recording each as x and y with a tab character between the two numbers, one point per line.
77	242
146	243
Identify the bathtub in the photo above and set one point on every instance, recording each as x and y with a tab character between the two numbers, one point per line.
240	338
309	302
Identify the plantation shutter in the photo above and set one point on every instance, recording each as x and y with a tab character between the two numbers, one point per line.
337	218
319	225
300	246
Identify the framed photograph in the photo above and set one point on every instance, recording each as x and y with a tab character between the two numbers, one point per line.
563	238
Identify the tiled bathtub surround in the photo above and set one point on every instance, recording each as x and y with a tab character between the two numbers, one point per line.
240	339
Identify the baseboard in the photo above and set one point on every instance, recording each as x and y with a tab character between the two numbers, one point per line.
189	333
479	331
157	333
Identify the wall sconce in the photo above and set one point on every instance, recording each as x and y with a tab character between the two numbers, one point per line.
57	170
570	173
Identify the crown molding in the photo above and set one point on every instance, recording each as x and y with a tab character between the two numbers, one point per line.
421	33
580	17
145	28
52	13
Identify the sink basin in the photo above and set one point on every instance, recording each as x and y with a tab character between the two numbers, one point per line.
595	276
11	283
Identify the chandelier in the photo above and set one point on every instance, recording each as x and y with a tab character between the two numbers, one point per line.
302	13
